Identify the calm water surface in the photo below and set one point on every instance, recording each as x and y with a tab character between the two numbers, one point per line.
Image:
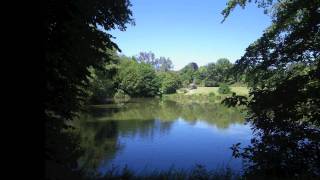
148	134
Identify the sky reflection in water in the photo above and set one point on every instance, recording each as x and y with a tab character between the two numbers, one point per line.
148	134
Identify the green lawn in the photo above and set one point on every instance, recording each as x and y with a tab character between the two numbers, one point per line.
207	90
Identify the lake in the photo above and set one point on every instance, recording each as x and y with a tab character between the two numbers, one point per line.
149	134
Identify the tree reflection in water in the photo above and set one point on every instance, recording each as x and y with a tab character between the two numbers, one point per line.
102	125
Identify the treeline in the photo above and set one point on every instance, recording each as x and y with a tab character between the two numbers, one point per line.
148	76
142	76
210	75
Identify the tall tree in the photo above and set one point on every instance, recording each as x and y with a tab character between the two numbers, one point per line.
223	67
164	64
147	57
218	72
188	73
160	64
76	39
284	106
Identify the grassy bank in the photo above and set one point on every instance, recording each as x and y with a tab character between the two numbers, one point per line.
204	94
207	90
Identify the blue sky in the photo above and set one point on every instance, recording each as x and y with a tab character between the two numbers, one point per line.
190	30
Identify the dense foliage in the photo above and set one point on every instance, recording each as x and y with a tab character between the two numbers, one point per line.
283	69
102	85
74	42
148	76
137	79
143	77
224	89
188	73
170	82
210	75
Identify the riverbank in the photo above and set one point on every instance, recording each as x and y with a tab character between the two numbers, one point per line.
204	94
197	172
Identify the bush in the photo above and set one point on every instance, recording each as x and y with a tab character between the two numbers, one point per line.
210	83
212	96
224	89
121	96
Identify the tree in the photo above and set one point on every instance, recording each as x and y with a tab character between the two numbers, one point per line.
223	67
138	79
193	66
188	73
201	75
284	100
102	86
212	77
170	82
218	72
147	57
164	64
75	40
160	64
101	81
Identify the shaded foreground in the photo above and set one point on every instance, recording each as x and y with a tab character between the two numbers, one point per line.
198	172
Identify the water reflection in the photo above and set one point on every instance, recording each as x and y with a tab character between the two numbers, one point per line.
148	109
157	134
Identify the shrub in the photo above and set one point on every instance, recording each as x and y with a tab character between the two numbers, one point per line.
210	83
211	96
224	89
121	96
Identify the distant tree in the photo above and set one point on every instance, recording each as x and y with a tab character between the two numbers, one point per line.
201	75
212	78
188	73
218	72
193	66
138	79
147	57
223	67
163	64
160	64
170	82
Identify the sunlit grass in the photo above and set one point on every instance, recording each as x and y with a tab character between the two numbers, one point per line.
206	90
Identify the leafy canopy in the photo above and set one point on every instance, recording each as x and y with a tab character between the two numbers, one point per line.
283	70
75	40
170	82
138	79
